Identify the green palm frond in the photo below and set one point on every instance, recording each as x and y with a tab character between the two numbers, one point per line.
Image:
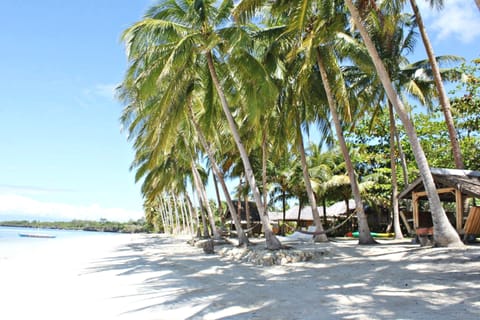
246	9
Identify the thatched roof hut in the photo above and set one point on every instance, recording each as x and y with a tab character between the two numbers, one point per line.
338	209
453	185
240	205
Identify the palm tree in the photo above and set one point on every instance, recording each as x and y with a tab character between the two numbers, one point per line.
204	200
444	233
282	176
290	105
178	35
442	94
242	238
393	34
315	29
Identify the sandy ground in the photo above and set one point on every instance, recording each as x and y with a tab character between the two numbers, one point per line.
155	277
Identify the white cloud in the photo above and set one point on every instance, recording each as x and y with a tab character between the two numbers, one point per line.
30	190
459	19
105	90
97	95
14	204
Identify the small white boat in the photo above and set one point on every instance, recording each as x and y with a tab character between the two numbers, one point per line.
36	235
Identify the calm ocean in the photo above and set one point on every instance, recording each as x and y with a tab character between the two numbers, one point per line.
11	244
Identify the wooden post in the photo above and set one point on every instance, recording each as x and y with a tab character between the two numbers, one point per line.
459	212
472	226
405	222
415	210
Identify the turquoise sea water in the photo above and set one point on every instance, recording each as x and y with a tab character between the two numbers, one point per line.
12	244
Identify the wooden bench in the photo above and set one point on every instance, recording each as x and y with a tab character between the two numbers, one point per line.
472	225
425	236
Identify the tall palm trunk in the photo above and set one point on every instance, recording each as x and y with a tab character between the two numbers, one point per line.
186	214
193	212
444	233
321	237
168	204
442	95
168	226
175	211
161	213
264	168
403	159
393	166
248	214
204	200
364	236
242	238
271	241
202	210
217	192
284	208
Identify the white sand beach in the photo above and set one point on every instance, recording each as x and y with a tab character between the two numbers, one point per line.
157	277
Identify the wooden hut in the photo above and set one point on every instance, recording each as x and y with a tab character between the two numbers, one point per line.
304	217
453	185
249	216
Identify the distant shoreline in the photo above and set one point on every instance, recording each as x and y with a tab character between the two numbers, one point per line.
81	225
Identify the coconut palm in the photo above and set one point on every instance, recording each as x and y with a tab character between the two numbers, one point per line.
444	233
315	25
324	30
242	238
177	35
393	34
442	94
282	174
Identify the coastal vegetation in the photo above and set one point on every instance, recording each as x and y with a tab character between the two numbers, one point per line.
85	225
306	101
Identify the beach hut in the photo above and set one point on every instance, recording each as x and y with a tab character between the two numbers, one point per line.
453	186
340	208
249	217
304	217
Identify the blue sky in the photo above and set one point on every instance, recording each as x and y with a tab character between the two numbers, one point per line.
62	153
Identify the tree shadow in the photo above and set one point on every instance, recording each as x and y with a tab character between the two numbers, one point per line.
354	282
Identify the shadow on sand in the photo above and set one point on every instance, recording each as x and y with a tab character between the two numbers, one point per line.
386	281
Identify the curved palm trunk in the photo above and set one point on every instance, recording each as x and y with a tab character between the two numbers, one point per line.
202	212
284	210
242	238
321	237
178	219
168	227
204	199
248	214
217	193
403	160
393	166
300	205
193	211
187	213
264	169
444	233
271	241
364	236
442	95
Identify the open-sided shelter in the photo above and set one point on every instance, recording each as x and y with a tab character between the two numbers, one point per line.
305	217
248	215
453	185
